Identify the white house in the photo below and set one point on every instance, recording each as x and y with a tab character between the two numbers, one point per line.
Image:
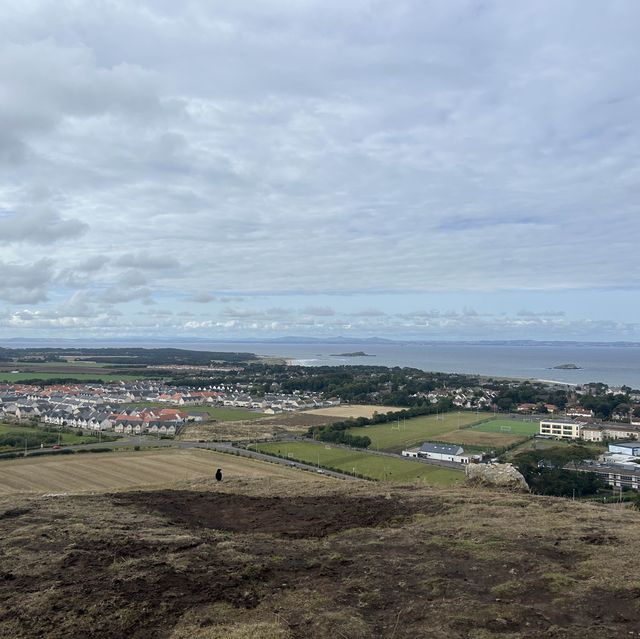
442	452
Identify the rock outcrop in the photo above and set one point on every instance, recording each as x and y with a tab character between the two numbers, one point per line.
500	475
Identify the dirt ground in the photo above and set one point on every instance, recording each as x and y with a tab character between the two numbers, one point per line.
265	428
345	411
328	560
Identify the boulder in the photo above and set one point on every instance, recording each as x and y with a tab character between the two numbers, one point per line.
500	475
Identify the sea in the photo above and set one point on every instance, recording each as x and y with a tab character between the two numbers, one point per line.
615	365
612	365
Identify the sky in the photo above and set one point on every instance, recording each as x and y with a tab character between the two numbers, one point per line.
439	170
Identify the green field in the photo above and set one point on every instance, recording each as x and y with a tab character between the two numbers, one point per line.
365	464
35	436
80	377
219	413
413	431
509	426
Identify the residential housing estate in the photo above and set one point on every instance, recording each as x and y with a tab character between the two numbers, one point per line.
157	408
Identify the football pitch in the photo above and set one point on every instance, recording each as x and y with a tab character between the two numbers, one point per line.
400	434
508	426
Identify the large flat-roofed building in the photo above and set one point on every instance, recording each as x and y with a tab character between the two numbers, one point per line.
441	452
616	475
561	428
626	448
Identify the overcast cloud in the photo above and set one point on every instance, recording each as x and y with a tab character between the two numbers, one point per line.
448	169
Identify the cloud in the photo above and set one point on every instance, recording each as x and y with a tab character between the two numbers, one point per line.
146	261
369	312
526	313
122	294
39	227
133	278
428	152
202	298
25	283
318	311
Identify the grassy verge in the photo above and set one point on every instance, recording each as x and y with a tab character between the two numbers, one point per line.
219	413
13	437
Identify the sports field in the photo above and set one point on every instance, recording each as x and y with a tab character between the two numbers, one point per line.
114	471
479	440
396	436
219	413
508	426
366	464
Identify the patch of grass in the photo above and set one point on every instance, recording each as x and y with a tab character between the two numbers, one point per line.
510	588
219	413
36	375
365	464
35	436
411	432
473	439
508	427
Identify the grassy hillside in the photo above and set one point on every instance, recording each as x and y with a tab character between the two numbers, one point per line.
309	557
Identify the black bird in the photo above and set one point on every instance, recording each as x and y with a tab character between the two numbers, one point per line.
219	474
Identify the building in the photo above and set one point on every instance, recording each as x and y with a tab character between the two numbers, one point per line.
626	448
561	428
592	433
616	475
441	452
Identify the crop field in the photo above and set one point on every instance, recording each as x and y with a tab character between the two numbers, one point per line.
366	464
412	432
117	471
219	413
508	426
353	410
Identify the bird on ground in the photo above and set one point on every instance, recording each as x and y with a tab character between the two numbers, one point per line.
219	474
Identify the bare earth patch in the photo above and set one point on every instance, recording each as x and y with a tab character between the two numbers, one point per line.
245	431
329	560
346	411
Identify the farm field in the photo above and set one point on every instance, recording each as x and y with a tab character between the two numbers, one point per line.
117	471
369	465
353	410
508	426
35	375
219	413
413	431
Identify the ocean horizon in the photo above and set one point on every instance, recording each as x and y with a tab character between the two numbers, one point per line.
614	364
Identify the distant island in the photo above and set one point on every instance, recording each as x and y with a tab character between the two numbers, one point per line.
567	367
353	354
